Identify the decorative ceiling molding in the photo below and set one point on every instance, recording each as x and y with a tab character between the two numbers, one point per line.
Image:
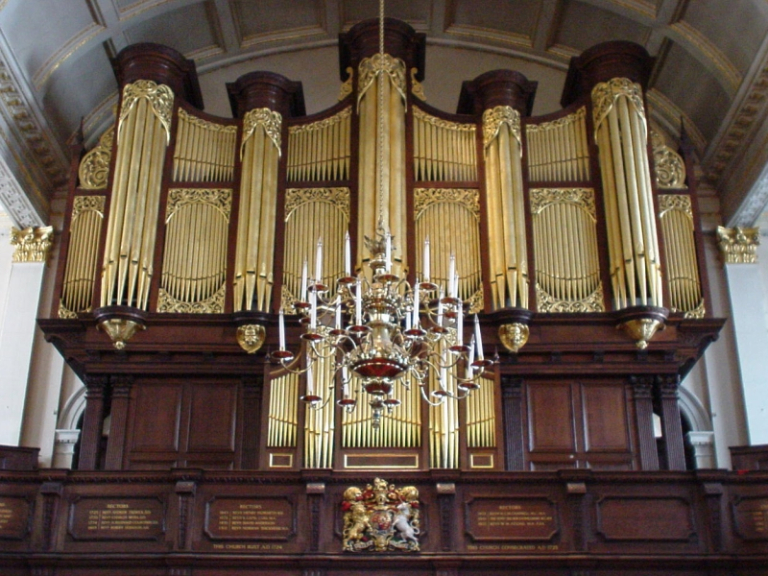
753	205
15	201
713	58
19	110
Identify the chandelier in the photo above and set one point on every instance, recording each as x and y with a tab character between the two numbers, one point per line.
377	329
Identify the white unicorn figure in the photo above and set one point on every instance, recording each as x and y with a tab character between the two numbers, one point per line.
402	524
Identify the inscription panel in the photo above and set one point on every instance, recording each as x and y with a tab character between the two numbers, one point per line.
117	519
511	519
750	517
14	517
645	519
250	519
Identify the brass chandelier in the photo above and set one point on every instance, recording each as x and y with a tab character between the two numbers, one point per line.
377	329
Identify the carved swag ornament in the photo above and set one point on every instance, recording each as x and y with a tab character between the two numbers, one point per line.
381	518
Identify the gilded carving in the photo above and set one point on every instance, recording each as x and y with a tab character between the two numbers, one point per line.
738	245
668	164
577	116
251	337
440	123
120	330
205	124
678	202
94	168
295	197
476	302
605	95
32	244
584	198
267	119
321	124
494	118
548	304
514	336
287	301
88	203
219	198
160	98
417	88
213	305
65	313
381	518
469	198
698	312
346	87
377	64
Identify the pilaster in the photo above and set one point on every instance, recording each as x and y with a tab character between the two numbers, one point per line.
738	247
21	295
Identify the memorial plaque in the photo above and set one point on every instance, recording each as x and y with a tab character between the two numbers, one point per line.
750	516
14	517
249	519
645	519
511	519
117	519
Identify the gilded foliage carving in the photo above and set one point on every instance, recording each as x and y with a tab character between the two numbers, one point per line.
377	64
668	164
699	312
219	198
678	202
584	198
574	118
417	88
548	304
88	204
267	119
295	197
495	118
346	87
605	95
160	98
321	124
205	124
67	314
94	167
469	198
213	305
440	123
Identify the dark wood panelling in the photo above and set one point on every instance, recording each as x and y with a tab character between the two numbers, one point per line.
215	405
604	410
155	417
550	417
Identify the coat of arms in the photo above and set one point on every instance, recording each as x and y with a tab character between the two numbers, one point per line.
381	518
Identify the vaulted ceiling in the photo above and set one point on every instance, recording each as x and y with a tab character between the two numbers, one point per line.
711	68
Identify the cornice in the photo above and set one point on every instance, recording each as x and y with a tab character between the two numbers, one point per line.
16	202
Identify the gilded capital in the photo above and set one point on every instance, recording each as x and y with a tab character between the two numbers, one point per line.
32	244
738	245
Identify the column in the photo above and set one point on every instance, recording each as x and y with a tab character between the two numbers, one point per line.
670	421
746	289
703	444
20	300
93	421
64	447
642	394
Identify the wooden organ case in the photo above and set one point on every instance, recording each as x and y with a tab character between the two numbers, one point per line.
577	243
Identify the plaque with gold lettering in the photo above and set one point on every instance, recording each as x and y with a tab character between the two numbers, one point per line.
511	519
750	516
250	519
94	518
15	516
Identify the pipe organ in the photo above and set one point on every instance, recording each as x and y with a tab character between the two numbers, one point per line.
564	227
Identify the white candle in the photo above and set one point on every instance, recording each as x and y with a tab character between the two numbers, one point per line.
281	330
416	305
440	308
478	338
338	316
313	310
345	381
408	324
347	255
470	370
358	303
460	325
426	259
304	282
319	261
310	382
388	252
451	276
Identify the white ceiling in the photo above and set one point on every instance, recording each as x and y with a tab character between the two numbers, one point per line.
711	68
